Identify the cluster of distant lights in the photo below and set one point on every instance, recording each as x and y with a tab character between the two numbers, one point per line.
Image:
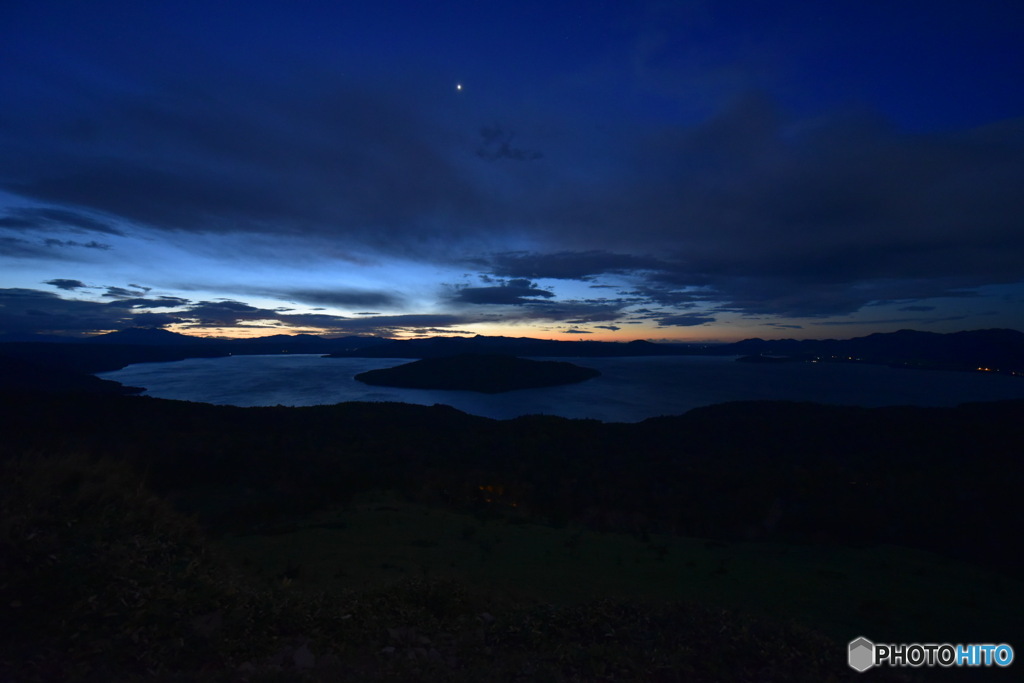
817	359
1005	372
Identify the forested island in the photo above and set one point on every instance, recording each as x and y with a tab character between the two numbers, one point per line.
486	373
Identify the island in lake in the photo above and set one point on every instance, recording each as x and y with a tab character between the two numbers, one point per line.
490	374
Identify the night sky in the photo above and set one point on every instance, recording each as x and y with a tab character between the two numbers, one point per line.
568	170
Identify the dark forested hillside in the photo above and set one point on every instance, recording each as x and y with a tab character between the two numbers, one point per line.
945	479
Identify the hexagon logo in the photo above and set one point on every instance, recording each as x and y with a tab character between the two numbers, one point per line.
861	654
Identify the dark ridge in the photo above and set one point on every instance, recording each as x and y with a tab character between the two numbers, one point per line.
437	347
92	358
118	349
148	336
995	350
941	479
21	375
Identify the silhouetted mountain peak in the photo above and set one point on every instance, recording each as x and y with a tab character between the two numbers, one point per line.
283	338
147	336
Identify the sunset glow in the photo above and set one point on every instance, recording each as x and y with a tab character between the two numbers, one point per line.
632	171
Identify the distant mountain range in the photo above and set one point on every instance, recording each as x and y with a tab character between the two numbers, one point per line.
995	350
436	347
277	343
114	350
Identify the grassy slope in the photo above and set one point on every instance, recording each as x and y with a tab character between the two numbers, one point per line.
101	579
893	594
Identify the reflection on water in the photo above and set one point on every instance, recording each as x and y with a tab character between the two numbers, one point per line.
629	389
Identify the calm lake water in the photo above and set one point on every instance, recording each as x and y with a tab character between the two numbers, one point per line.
628	390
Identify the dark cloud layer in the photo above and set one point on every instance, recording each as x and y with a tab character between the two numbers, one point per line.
36	218
770	214
697	178
66	285
515	292
91	244
159	302
33	311
343	297
47	248
567	265
684	320
211	152
818	217
28	310
495	143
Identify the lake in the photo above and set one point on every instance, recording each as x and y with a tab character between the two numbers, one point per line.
628	390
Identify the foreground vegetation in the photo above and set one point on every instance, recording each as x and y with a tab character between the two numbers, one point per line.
160	539
103	580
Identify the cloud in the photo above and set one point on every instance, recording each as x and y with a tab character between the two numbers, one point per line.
384	325
122	293
745	208
571	311
685	320
761	212
412	321
48	218
890	321
32	311
49	248
566	265
515	292
16	247
226	313
667	296
496	144
66	285
14	223
26	310
216	152
344	297
92	244
155	319
160	302
446	331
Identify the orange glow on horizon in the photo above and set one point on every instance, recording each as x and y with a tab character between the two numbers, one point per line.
652	333
243	332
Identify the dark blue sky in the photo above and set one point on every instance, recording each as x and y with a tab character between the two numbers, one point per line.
660	170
